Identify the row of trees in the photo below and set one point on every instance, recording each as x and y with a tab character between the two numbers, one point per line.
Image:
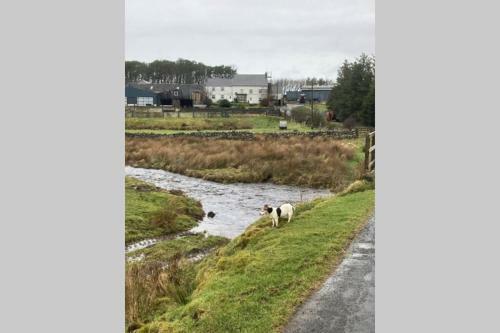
294	84
353	95
181	71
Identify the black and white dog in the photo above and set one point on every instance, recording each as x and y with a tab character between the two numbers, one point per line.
285	210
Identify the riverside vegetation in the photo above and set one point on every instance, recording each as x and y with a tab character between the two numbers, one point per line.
154	212
313	162
255	282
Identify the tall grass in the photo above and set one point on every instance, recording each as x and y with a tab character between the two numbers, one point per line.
316	162
150	285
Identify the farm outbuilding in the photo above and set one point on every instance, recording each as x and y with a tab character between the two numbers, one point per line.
292	95
319	93
181	95
139	97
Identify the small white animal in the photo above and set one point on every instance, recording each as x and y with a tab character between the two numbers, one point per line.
285	210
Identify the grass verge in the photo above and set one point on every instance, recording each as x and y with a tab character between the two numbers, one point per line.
254	283
152	212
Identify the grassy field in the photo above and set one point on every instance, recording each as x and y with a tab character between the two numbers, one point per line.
151	212
253	123
314	162
255	283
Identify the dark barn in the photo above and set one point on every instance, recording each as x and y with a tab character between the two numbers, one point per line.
319	93
140	97
292	96
180	95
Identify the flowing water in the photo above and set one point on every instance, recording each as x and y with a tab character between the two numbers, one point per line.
235	205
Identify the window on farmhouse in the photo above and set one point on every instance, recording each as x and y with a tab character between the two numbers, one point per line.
221	88
251	91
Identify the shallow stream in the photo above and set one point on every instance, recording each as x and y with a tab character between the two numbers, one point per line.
235	205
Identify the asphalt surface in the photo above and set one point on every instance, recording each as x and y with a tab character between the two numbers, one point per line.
346	301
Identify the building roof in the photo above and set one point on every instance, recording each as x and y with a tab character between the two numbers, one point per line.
259	80
316	88
166	87
186	90
136	92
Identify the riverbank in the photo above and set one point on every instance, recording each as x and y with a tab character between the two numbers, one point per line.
317	162
235	205
153	212
254	283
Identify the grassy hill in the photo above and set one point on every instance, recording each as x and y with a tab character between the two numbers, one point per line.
256	281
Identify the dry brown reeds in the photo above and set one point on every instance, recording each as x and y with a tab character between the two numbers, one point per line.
316	162
146	284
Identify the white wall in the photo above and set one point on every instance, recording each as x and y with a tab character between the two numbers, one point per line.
220	93
252	92
229	93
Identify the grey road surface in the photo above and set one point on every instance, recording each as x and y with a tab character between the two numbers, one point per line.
346	301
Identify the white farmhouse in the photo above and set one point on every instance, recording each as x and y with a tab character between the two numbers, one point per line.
250	88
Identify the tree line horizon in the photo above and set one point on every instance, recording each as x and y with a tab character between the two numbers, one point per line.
183	71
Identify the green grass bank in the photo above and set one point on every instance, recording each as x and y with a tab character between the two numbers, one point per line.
153	212
256	281
162	271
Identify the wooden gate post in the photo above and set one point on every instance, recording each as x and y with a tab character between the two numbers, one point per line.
370	151
367	151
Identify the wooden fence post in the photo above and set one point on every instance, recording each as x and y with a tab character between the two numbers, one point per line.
370	151
367	151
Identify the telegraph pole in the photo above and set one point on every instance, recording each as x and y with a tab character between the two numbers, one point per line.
269	88
312	103
281	99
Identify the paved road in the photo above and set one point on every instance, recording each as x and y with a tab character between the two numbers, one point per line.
346	301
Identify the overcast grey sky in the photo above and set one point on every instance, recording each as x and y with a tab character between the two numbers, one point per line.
290	38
